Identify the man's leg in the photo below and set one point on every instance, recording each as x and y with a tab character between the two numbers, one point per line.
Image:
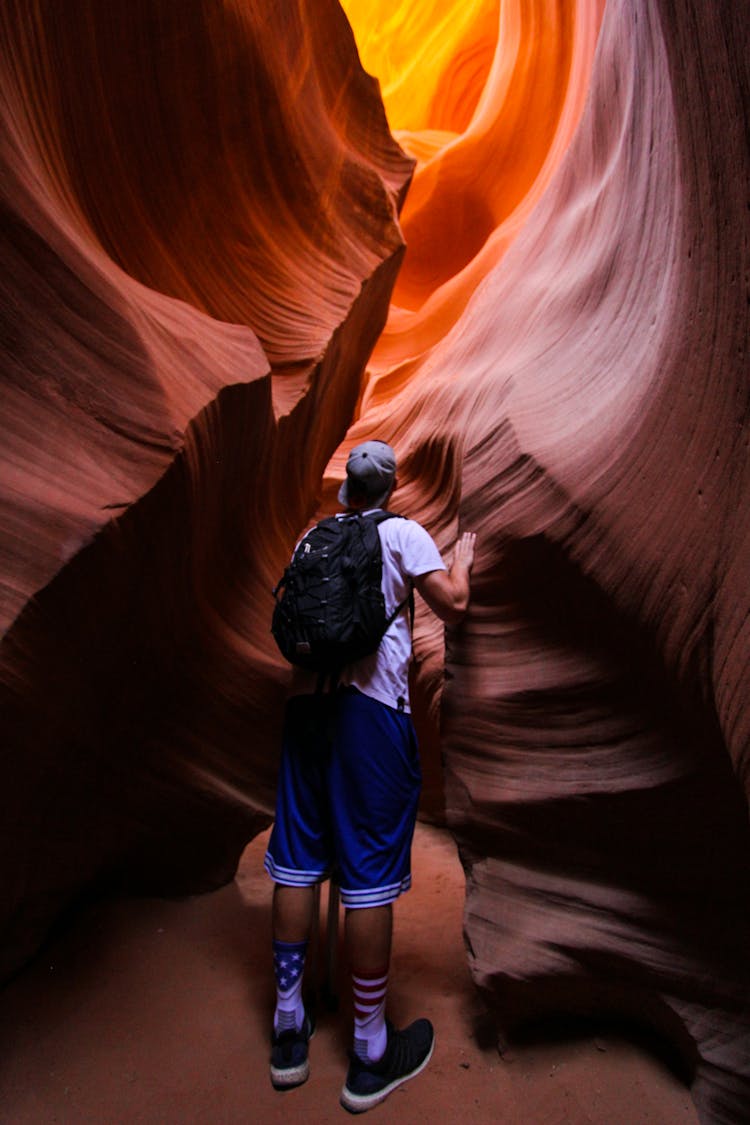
292	913
292	1027
291	919
383	1058
298	857
375	782
368	935
368	941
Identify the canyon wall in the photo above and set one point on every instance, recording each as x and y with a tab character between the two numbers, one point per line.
185	332
206	303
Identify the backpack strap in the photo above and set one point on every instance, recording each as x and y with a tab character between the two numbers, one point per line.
408	600
379	517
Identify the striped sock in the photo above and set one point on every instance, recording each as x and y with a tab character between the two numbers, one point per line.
370	1034
289	966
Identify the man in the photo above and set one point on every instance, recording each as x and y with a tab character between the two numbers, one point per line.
348	804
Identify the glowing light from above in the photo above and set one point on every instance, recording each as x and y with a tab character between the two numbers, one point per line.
486	95
432	59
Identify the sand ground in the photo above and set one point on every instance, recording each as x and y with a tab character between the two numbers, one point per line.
152	1012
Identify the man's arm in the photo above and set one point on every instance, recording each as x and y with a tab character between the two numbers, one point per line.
447	591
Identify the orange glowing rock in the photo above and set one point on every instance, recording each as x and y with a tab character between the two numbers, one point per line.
200	252
486	96
432	61
199	245
577	393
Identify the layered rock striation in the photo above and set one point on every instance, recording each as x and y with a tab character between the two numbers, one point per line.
199	246
586	411
202	243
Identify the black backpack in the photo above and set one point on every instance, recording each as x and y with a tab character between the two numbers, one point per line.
329	607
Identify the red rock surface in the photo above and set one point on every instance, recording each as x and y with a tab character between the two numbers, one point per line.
587	415
201	242
199	248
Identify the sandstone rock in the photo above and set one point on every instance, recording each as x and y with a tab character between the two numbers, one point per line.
199	250
586	412
200	257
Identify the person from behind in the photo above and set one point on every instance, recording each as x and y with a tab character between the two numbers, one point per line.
347	799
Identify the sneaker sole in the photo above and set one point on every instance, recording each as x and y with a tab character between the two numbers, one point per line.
290	1076
359	1103
286	1078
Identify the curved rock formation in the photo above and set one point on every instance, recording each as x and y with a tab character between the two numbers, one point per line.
593	402
564	368
199	247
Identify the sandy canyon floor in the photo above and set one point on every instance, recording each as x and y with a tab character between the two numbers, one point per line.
150	1011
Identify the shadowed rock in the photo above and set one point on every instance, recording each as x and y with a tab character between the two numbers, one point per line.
200	256
199	250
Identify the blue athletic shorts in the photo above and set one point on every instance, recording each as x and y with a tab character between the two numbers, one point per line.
347	797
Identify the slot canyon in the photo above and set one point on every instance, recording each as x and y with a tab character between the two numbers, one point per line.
509	237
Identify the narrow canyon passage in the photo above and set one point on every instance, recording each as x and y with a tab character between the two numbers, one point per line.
520	255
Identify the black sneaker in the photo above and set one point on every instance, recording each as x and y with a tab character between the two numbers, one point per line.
289	1063
406	1053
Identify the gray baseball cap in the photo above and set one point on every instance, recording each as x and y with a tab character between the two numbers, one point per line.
370	470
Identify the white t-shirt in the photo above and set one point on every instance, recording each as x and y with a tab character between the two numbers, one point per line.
408	552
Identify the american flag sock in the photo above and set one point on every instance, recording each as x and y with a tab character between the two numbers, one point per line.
288	967
370	1035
